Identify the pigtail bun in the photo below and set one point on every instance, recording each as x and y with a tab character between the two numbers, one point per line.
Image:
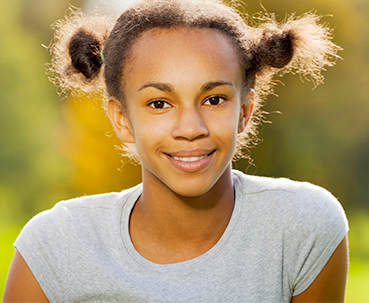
299	45
76	63
276	48
85	54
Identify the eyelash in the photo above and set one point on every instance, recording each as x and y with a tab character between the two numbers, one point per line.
163	104
215	97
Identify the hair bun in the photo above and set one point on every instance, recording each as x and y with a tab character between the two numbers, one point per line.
276	47
85	53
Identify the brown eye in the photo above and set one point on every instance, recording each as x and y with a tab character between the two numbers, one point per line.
159	104
215	100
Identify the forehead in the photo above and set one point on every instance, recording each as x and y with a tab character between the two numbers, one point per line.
184	50
183	37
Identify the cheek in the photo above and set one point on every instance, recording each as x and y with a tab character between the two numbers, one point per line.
151	131
225	127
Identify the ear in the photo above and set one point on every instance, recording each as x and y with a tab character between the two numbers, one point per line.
119	120
246	110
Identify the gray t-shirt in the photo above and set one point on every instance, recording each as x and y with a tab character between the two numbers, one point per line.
280	236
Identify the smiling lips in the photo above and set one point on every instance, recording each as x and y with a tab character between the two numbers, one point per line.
189	159
191	162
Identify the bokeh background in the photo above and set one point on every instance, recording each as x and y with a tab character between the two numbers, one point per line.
54	148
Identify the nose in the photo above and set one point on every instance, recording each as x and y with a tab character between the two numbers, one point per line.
190	124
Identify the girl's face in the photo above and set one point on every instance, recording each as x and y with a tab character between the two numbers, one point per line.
185	106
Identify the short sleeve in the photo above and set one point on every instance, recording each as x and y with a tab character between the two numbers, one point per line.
319	226
43	244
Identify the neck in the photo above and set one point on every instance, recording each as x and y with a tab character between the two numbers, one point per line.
168	228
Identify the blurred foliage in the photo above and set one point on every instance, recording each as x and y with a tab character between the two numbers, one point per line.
50	150
37	15
358	282
323	133
31	172
91	145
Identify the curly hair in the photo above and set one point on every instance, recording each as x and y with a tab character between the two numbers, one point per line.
90	52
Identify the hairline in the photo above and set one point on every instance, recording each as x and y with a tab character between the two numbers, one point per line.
129	58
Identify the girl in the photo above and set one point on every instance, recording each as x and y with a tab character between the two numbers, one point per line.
184	83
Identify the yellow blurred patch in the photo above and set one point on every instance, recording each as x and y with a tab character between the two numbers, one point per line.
91	145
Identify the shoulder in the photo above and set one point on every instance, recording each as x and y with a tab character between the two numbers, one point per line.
86	205
300	202
309	219
256	184
304	192
105	200
80	214
73	230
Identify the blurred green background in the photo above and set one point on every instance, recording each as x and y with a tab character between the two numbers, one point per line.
53	149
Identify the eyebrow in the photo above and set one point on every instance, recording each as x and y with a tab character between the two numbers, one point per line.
166	87
210	85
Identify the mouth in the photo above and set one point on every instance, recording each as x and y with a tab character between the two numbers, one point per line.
191	161
190	158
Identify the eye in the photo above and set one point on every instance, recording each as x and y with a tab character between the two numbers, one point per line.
158	104
214	100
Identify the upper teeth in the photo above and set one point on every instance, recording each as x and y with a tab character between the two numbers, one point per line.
189	159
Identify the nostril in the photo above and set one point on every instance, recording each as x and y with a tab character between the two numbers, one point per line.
190	127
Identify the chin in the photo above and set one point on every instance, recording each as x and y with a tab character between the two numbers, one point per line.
192	193
189	189
194	188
